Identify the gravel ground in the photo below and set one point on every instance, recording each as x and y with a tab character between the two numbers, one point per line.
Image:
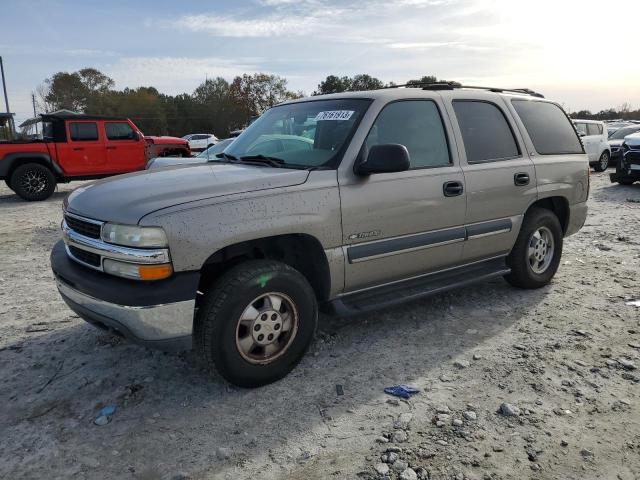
563	360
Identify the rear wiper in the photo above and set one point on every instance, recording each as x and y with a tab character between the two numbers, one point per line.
272	161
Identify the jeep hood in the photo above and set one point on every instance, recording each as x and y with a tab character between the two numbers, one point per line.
128	198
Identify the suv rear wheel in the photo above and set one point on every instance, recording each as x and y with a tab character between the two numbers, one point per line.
536	255
33	182
256	323
603	162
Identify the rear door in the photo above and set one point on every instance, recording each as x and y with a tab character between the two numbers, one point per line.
125	149
84	152
499	175
589	138
400	224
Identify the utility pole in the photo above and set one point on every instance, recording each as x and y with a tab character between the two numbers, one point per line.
6	97
33	101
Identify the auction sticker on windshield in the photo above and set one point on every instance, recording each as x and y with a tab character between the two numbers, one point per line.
334	115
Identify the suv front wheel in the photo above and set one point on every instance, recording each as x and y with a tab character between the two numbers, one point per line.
256	323
536	255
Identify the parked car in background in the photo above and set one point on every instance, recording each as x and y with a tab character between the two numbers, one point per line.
200	141
371	199
617	138
628	168
594	138
615	125
79	147
209	154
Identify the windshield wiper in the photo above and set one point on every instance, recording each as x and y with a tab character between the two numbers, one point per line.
272	161
226	156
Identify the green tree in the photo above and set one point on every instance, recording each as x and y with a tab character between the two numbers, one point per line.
65	90
335	84
253	94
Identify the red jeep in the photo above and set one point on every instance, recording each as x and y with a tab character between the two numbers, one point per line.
80	147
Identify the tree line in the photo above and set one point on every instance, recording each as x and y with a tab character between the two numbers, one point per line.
216	105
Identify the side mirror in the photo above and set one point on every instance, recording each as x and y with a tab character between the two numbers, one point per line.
386	158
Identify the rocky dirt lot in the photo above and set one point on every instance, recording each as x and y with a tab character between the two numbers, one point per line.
514	384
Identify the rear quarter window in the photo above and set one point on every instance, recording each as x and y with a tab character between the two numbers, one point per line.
549	127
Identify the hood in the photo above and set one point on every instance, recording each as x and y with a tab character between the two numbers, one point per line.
633	139
164	140
128	198
615	143
160	162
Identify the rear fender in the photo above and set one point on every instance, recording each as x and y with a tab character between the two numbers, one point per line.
11	161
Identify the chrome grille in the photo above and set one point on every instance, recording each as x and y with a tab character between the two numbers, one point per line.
88	229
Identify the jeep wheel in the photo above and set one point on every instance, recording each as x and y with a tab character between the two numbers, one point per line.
256	323
603	162
536	255
33	182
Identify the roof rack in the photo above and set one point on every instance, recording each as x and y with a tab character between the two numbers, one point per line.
453	85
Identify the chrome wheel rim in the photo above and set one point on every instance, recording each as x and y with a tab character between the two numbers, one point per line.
266	328
604	161
540	250
33	182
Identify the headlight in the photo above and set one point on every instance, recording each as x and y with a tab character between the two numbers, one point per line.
134	236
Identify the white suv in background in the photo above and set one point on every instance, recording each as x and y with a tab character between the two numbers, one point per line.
594	137
200	141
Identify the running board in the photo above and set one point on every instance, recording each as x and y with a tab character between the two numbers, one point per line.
413	289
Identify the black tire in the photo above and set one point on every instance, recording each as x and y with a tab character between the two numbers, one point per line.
33	182
626	182
603	162
217	321
522	274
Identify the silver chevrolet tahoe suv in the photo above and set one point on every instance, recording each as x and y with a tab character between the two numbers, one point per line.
345	202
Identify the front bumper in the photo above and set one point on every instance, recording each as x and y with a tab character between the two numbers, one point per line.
155	314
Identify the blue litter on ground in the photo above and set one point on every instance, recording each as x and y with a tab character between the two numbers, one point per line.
404	391
108	410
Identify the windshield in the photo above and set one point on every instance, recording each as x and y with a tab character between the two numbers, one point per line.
623	132
213	150
301	135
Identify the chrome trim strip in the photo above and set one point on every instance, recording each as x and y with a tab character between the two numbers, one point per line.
114	252
488	234
406	250
84	219
153	322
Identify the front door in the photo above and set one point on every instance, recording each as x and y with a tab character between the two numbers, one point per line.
125	150
400	224
498	173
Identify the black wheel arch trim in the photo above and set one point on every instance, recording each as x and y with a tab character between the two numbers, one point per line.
10	161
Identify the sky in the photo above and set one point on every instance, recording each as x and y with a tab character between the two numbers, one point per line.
578	53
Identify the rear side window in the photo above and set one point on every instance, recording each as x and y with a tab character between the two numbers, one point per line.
417	125
581	128
486	134
594	129
119	131
548	126
83	132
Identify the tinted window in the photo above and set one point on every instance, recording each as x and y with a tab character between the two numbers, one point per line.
417	125
485	132
581	128
548	126
594	129
82	132
119	131
623	132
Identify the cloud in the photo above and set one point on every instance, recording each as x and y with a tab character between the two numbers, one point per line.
175	75
267	26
